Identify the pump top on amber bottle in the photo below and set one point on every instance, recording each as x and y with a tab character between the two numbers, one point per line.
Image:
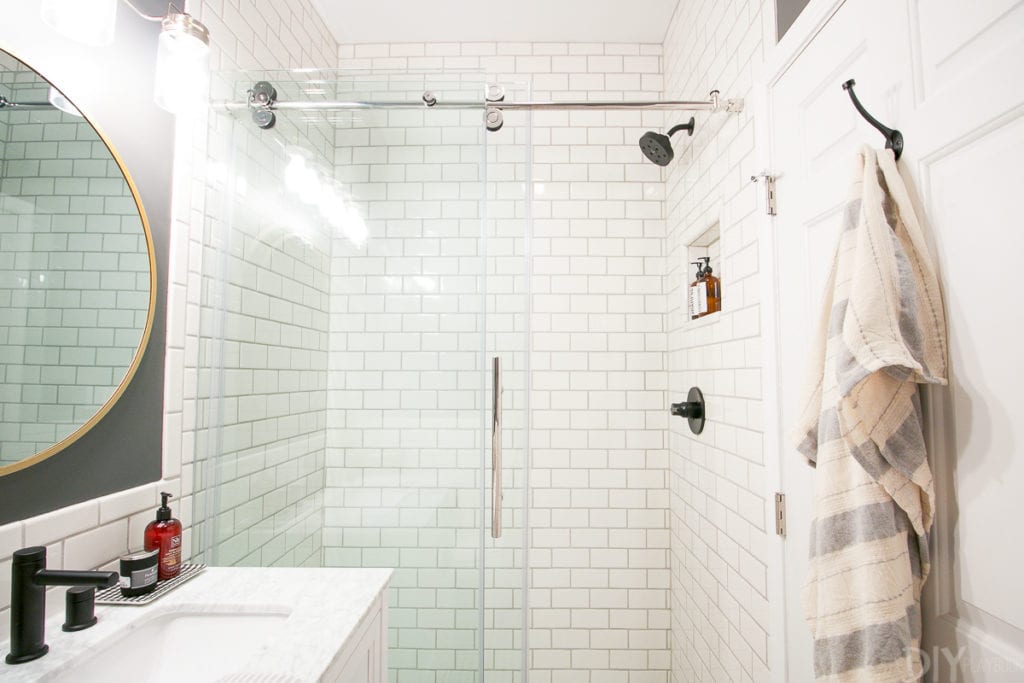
164	534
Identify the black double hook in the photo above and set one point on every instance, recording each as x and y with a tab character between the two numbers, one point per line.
893	138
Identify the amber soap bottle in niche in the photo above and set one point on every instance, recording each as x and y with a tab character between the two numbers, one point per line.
712	289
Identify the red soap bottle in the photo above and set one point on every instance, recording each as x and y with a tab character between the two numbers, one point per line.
164	534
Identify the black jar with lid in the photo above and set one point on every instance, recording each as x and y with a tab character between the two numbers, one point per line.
138	573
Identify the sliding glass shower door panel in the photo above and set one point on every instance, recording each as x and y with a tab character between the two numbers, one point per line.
405	386
363	268
262	352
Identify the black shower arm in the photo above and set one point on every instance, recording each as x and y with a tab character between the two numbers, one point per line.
688	126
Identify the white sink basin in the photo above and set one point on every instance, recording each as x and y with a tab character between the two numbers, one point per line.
177	646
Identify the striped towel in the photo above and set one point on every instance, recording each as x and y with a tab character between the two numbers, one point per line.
881	332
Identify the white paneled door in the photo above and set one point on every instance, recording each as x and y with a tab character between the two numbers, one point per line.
946	74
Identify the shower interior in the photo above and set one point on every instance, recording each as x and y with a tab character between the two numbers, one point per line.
360	271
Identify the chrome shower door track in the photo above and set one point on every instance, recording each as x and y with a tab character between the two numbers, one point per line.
263	104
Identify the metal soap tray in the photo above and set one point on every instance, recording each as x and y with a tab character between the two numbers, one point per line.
112	596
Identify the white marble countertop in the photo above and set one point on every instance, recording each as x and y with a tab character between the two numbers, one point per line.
323	607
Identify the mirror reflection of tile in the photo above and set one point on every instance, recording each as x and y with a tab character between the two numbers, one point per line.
74	271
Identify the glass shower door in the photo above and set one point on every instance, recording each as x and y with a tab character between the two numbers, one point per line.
408	375
372	247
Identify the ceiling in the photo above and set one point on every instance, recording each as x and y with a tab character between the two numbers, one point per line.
442	21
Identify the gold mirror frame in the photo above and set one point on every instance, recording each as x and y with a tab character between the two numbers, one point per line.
143	342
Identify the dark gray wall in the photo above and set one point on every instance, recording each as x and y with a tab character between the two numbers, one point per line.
113	87
786	12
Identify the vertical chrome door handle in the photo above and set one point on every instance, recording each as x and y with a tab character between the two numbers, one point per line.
496	451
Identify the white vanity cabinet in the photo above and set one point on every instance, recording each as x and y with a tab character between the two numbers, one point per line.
363	658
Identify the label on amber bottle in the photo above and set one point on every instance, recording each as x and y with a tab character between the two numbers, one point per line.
171	557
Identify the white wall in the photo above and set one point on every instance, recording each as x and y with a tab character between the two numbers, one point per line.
719	536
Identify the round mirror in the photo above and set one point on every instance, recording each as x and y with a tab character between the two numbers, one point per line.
77	271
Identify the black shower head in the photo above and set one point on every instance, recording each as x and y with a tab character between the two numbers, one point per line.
657	147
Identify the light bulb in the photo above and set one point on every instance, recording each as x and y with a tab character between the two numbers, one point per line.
86	21
182	79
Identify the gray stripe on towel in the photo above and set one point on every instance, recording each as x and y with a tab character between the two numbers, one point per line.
905	446
859	525
870	646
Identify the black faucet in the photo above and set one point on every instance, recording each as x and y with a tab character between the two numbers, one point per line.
29	578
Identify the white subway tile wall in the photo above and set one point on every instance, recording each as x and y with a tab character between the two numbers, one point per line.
74	271
599	506
718	499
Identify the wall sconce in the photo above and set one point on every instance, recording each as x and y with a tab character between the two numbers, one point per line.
182	64
182	77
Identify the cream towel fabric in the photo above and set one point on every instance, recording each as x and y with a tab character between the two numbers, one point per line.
881	332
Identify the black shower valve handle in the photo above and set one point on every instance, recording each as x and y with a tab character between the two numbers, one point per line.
688	409
692	409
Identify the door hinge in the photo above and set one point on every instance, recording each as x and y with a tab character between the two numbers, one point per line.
769	191
780	514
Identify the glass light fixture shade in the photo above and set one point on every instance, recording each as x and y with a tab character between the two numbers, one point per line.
86	21
182	82
57	99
